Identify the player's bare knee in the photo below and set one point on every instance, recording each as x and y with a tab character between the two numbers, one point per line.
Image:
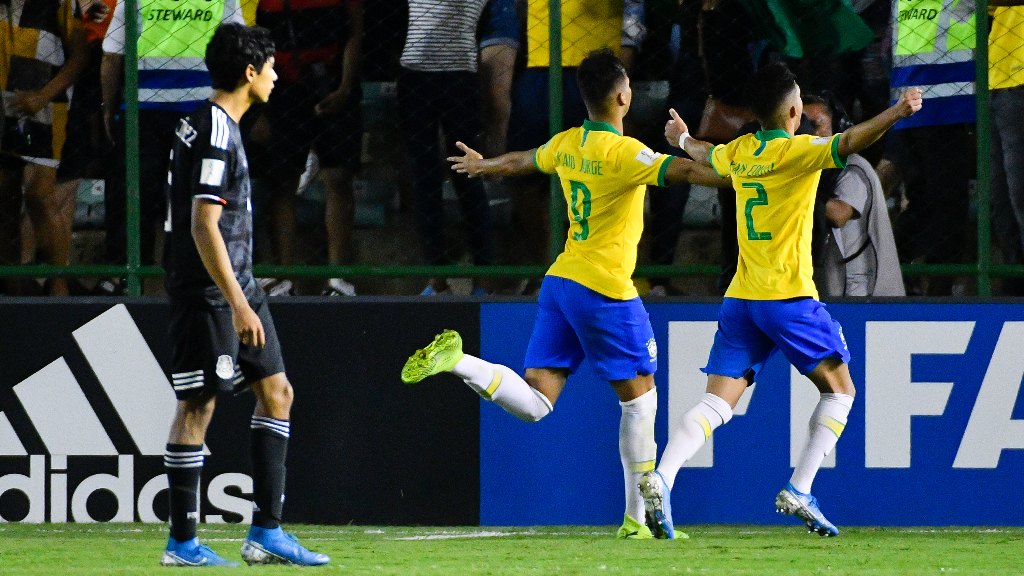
547	382
274	396
280	397
847	388
198	407
832	376
191	419
629	390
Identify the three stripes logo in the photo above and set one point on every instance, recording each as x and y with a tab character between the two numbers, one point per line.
67	425
129	375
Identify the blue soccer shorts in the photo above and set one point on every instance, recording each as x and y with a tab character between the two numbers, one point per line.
574	322
750	331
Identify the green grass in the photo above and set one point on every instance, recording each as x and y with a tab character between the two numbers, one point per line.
101	549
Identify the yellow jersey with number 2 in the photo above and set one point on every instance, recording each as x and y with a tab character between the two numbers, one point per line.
775	177
604	176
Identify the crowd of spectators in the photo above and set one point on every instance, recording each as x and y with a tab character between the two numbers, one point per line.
478	71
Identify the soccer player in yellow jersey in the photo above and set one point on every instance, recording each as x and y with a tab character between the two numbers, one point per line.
588	306
771	303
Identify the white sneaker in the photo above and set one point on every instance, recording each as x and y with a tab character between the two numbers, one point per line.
339	287
657	291
277	287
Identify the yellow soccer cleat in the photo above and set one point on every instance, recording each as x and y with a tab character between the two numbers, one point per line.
441	355
631	529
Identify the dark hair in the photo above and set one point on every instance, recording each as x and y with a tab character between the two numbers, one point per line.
814	99
806	125
232	49
598	75
840	119
769	88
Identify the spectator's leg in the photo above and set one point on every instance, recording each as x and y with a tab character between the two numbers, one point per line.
293	127
115	192
1008	178
460	115
667	207
419	99
282	219
11	172
528	128
944	198
52	210
156	138
339	146
911	225
496	65
339	217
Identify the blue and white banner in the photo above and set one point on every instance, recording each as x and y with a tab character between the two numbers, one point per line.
936	435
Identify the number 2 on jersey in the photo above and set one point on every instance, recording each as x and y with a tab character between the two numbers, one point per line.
760	200
580	205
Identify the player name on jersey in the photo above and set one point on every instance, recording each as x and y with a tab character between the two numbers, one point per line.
586	165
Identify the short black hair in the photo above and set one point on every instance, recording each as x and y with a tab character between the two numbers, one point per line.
232	49
598	75
768	88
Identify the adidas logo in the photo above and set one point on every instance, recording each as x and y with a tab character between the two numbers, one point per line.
68	426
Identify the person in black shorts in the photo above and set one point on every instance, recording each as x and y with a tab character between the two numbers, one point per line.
224	338
316	107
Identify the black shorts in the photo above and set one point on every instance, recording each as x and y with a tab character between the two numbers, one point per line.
295	128
207	354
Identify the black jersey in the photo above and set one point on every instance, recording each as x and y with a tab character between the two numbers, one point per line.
207	165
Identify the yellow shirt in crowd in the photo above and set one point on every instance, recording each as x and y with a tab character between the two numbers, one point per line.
587	25
1006	48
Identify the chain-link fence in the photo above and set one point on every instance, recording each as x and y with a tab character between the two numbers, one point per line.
351	189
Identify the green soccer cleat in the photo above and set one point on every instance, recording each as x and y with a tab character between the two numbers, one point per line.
441	355
631	529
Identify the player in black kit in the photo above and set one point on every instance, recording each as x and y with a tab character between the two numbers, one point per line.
223	335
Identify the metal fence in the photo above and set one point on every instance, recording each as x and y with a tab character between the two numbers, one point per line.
351	189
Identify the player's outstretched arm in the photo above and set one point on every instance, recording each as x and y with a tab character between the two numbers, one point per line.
683	170
867	132
699	150
509	164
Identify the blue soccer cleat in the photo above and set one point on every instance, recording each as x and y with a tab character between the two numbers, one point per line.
791	501
274	546
657	504
191	553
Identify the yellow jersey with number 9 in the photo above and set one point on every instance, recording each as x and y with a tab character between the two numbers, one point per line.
604	176
775	177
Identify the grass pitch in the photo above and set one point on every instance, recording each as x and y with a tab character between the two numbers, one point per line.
102	549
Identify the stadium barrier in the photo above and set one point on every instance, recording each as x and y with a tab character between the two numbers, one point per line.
85	409
830	46
936	436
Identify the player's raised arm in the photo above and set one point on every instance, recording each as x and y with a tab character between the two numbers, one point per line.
683	170
867	132
675	128
509	164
